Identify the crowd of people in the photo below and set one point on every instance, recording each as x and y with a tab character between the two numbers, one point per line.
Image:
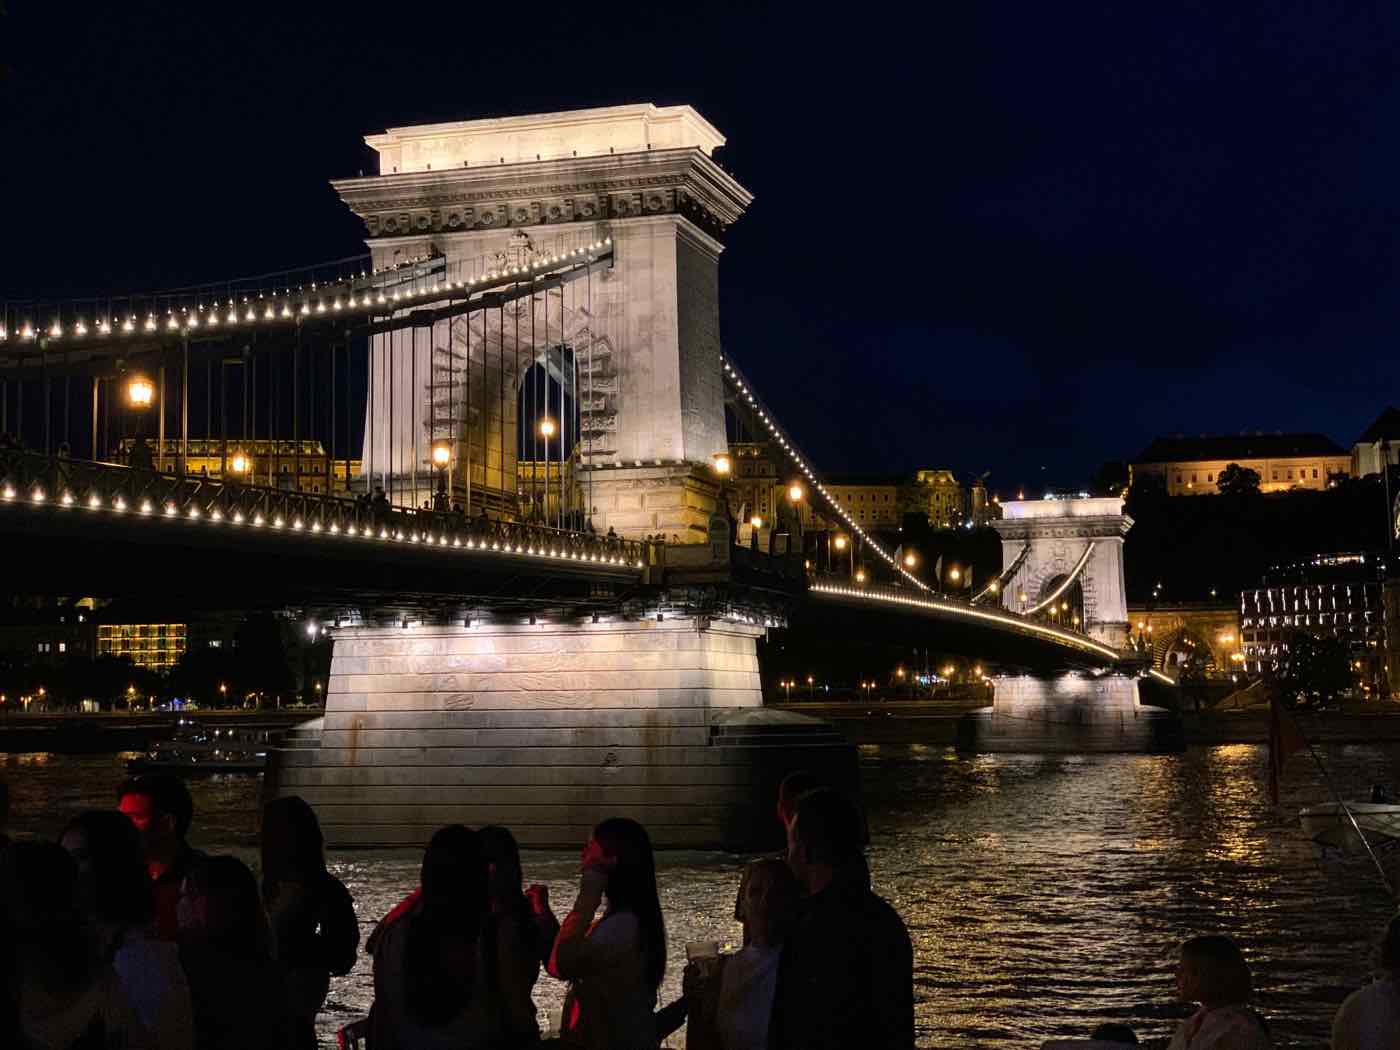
121	936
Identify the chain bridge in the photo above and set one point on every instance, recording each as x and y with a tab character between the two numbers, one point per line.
490	457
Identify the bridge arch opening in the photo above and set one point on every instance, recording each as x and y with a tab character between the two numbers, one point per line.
1062	603
547	435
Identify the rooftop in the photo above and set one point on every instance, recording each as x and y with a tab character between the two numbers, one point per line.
1385	428
1181	449
543	136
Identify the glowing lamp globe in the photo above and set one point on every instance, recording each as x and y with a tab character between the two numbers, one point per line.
140	392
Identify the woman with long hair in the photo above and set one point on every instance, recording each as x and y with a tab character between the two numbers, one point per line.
518	936
430	991
1370	1017
114	889
614	965
311	913
239	993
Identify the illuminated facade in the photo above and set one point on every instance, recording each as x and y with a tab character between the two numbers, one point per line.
1192	466
1378	445
1341	596
156	646
938	494
300	466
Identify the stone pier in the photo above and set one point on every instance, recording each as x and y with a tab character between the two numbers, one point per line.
1073	712
548	728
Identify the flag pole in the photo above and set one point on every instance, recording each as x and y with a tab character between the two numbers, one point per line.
1327	779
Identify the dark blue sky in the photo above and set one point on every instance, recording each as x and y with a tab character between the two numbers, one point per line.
1017	237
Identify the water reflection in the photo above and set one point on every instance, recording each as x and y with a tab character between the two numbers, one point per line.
1044	894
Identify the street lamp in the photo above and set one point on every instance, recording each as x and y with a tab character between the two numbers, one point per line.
860	576
810	682
794	493
239	464
140	392
910	559
722	463
442	458
547	430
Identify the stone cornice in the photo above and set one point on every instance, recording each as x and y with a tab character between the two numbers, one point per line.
1019	529
574	189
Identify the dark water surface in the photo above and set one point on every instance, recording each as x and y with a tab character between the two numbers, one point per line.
1044	894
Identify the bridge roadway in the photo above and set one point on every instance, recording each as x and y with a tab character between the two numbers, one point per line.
83	527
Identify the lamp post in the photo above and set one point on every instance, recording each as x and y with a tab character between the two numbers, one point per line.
811	694
442	458
843	543
140	393
547	429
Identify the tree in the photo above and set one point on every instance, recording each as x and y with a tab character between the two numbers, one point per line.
1316	671
1236	480
1111	479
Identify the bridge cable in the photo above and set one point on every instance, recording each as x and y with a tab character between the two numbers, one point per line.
735	378
998	583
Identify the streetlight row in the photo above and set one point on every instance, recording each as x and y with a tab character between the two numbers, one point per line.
961	609
264	310
791	449
38	497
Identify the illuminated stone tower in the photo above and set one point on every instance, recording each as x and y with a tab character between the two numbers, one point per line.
644	333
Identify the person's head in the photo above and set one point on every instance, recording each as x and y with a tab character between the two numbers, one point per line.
1115	1033
219	907
1388	951
793	787
1212	972
292	847
454	879
504	876
769	898
113	885
440	949
826	833
161	808
632	886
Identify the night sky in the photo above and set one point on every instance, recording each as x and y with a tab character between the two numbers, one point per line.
1023	238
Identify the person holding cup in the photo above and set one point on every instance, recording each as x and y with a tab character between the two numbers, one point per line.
731	996
614	964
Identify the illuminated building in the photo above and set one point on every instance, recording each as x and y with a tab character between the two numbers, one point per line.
938	493
1380	443
157	646
877	501
1191	466
300	466
1341	596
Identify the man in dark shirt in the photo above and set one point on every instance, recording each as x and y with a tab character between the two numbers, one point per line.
846	978
161	808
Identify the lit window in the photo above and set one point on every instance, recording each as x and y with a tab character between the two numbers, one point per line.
63	647
215	643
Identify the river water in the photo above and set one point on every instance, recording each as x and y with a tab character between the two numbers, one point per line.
1044	894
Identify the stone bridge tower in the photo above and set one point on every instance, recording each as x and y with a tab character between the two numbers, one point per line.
1062	534
486	193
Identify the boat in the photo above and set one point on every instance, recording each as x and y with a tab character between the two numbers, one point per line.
1330	824
195	749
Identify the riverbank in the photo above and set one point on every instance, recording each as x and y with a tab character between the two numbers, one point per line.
77	733
935	723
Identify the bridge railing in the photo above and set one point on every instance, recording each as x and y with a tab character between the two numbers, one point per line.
40	480
961	606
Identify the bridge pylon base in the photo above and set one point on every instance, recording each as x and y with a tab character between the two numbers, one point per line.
549	728
1069	713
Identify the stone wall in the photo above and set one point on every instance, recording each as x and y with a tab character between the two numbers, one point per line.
547	729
